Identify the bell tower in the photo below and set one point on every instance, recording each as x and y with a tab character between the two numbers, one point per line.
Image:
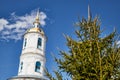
32	59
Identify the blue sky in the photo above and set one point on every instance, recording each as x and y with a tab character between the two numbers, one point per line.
58	17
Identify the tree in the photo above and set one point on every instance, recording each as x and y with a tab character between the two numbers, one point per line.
91	56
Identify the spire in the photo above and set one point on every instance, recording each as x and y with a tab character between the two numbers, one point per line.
89	13
37	19
38	14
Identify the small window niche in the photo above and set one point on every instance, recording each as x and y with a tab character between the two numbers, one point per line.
37	66
21	66
25	42
39	44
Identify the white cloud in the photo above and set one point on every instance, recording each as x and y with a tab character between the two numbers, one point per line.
16	26
3	23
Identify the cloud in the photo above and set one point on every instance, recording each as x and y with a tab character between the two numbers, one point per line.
15	27
3	23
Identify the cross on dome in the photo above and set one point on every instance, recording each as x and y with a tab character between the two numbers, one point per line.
37	20
36	24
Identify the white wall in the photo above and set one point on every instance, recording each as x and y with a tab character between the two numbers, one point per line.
31	54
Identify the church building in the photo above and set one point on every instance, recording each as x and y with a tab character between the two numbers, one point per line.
32	59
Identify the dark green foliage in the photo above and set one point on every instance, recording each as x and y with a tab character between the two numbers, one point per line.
90	57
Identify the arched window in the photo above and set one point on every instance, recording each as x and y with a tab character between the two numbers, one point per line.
39	43
25	42
37	66
21	66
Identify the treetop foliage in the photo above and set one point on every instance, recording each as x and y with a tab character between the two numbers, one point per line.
90	57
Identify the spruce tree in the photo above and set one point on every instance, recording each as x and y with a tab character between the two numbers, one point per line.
91	56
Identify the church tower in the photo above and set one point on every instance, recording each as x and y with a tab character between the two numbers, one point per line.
32	59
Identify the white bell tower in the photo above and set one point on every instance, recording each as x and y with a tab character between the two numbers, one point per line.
32	59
